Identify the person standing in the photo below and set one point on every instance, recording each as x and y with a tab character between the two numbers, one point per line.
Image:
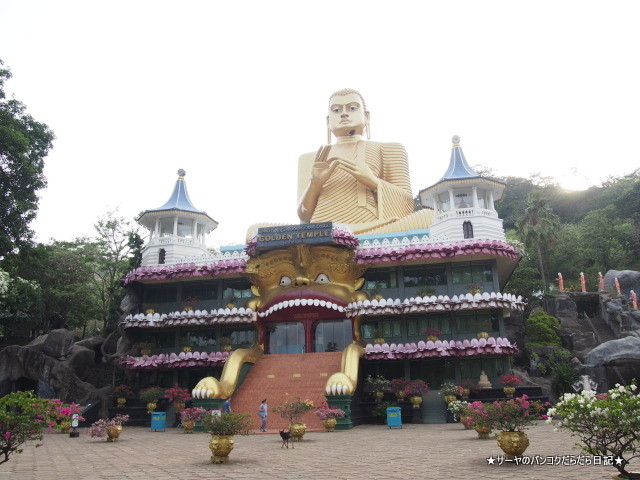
262	413
226	406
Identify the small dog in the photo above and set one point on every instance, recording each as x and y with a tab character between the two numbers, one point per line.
286	436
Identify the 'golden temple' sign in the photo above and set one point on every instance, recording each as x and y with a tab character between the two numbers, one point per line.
307	233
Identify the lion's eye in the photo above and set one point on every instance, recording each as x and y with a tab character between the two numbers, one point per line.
322	278
285	281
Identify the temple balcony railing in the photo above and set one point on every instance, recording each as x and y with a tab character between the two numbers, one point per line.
466	212
176	240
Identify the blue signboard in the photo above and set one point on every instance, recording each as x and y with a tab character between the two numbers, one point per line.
306	233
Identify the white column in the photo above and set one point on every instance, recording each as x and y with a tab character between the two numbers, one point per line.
491	205
451	200
156	230
435	203
175	226
475	197
194	230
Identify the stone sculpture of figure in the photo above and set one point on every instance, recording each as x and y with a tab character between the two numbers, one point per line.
355	181
634	300
600	282
560	282
484	380
585	384
617	284
583	283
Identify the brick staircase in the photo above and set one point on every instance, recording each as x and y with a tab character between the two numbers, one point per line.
302	375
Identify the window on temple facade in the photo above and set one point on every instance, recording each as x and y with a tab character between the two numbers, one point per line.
467	229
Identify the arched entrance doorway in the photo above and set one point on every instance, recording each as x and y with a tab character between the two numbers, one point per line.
300	335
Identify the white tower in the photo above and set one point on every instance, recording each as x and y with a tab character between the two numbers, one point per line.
177	228
463	202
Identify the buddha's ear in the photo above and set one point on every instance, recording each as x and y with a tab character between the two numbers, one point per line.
255	290
359	283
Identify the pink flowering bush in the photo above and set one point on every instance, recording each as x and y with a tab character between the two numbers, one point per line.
121	391
324	412
398	384
416	387
177	394
516	414
23	418
509	380
479	416
193	414
99	427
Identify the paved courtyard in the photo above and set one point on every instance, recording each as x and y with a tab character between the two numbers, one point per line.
443	451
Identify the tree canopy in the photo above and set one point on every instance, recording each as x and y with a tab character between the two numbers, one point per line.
24	143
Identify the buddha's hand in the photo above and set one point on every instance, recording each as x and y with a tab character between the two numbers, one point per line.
206	388
322	169
359	170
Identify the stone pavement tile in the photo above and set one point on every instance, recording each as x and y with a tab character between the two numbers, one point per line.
370	451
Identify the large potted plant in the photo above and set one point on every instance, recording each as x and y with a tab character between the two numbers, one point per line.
377	384
177	396
458	408
329	416
293	410
415	389
150	396
120	394
398	386
509	383
190	416
607	424
512	417
450	391
479	419
109	427
222	428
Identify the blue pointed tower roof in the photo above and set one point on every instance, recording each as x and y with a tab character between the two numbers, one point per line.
458	166
459	171
179	202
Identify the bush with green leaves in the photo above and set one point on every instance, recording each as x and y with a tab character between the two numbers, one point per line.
23	418
541	327
607	424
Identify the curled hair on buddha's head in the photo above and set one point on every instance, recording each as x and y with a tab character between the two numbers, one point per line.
347	91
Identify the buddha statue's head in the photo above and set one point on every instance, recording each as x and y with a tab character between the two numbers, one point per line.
348	114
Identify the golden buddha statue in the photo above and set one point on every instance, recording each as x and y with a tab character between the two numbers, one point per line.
355	181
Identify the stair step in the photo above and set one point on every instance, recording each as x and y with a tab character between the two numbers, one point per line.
274	376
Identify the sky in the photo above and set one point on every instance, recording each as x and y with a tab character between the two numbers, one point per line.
235	92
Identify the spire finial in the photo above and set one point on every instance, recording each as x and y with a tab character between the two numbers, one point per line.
181	173
455	140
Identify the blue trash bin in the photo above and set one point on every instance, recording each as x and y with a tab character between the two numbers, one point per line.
158	421
394	417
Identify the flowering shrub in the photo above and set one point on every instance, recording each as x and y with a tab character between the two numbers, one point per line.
121	391
516	414
607	424
193	414
293	410
177	394
458	408
509	380
416	387
99	427
324	412
65	412
470	385
227	423
449	389
479	416
150	394
377	383
23	417
398	384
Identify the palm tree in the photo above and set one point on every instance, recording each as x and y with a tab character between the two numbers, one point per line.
538	228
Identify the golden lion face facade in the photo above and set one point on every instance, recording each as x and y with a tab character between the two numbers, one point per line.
298	288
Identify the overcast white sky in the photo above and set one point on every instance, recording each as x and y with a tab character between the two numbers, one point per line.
234	92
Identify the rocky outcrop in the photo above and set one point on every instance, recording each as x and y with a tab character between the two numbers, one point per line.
56	366
627	348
